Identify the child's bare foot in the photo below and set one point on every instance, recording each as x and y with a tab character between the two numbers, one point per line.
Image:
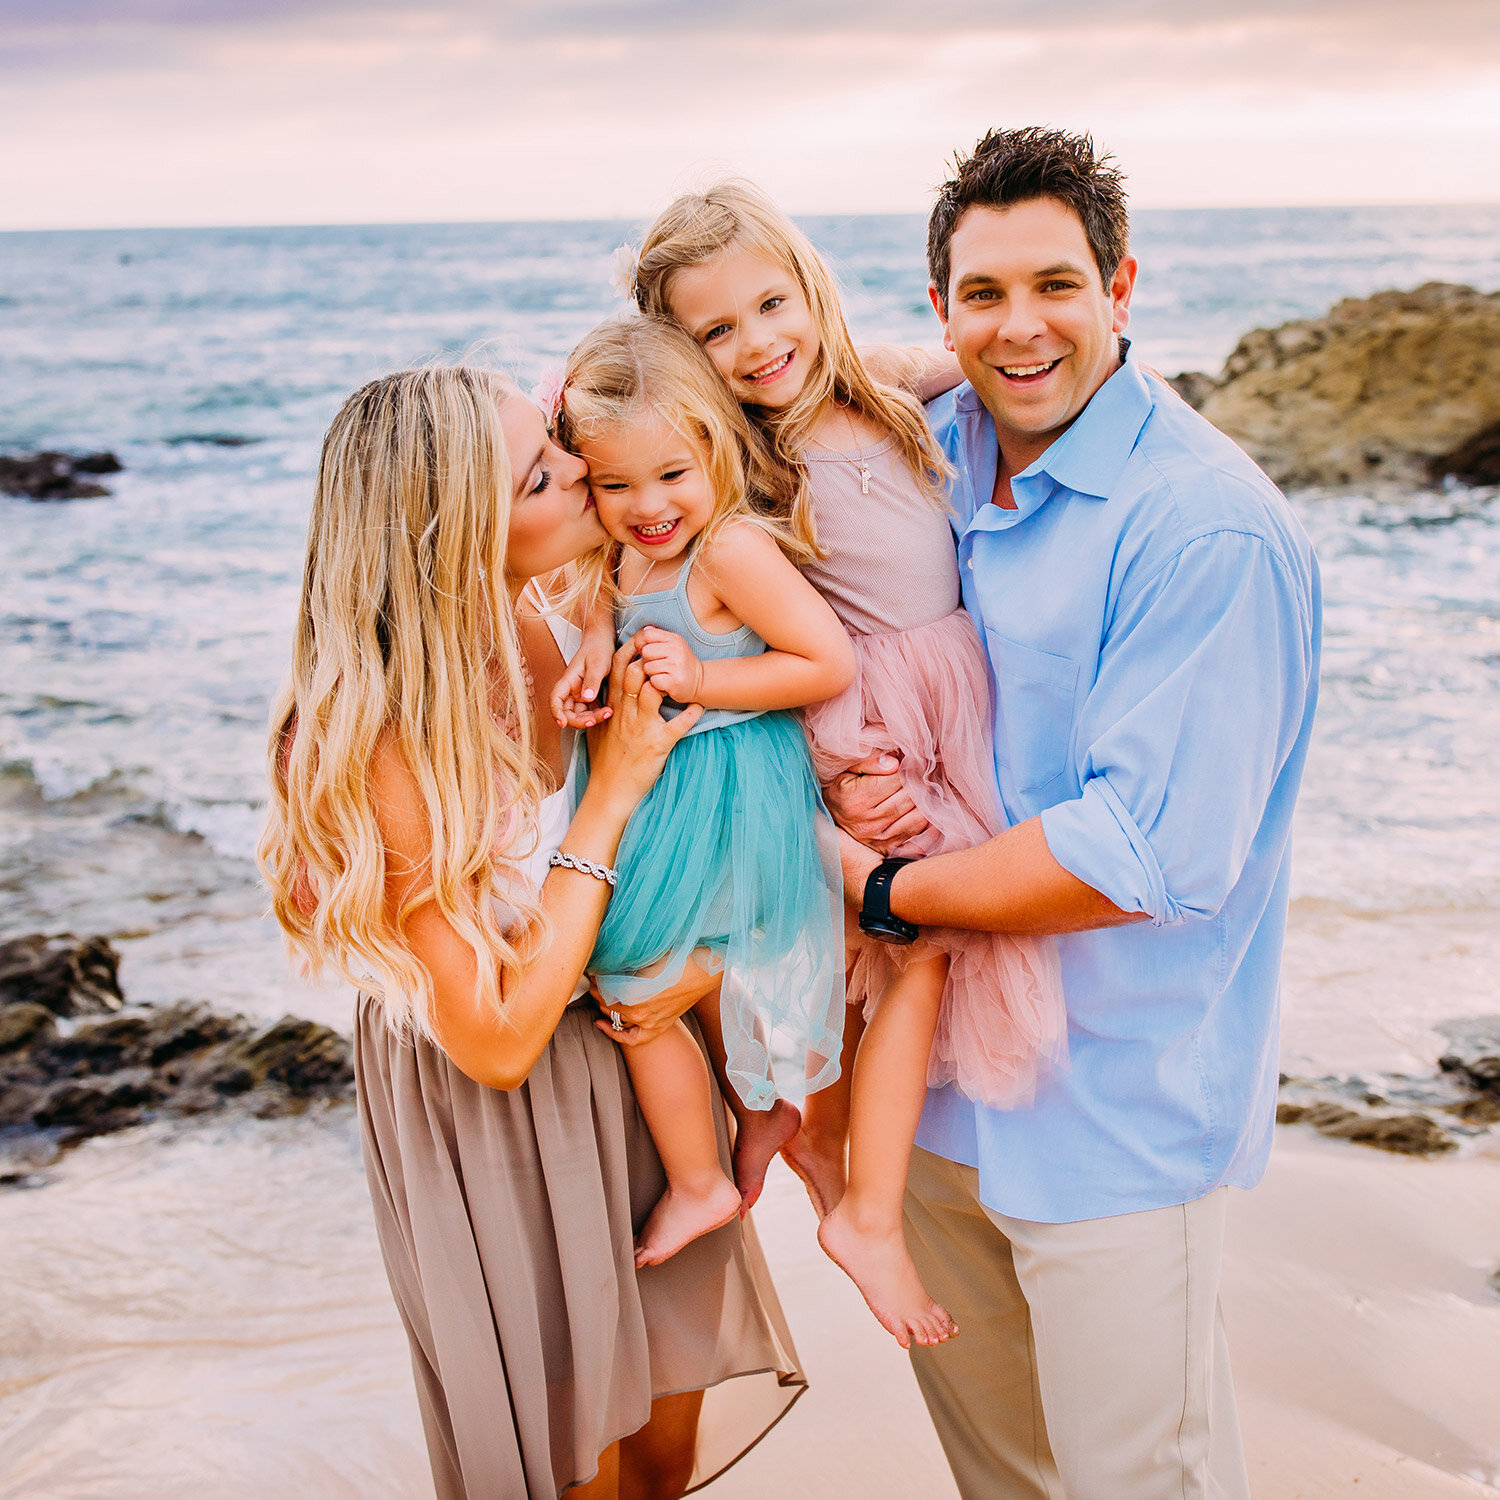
759	1135
820	1165
680	1217
879	1265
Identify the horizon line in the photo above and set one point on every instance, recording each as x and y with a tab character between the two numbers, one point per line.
642	218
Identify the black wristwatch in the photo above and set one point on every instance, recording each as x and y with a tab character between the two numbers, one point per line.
875	915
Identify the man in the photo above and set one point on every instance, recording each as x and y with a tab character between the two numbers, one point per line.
1150	609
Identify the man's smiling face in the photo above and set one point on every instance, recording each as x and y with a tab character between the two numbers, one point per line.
1031	320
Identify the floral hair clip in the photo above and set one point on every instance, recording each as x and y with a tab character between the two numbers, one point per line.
622	276
548	392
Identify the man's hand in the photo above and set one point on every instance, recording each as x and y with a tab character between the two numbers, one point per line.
646	1021
870	802
671	667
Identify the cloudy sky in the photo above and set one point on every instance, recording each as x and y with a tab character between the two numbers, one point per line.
154	112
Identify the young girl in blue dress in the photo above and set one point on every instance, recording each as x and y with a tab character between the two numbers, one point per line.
730	861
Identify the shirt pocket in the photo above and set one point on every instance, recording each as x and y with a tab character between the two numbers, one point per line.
1033	712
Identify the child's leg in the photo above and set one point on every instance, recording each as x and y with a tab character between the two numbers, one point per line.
816	1152
758	1133
676	1097
864	1234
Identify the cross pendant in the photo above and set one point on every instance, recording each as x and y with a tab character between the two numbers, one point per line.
864	479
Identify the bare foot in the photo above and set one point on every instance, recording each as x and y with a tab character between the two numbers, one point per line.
680	1217
759	1134
881	1268
820	1165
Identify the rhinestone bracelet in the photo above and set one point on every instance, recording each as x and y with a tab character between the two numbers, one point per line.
586	866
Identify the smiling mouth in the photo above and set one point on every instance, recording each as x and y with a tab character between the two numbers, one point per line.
656	534
770	371
1026	373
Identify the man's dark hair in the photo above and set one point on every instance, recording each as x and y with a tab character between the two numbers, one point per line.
1019	166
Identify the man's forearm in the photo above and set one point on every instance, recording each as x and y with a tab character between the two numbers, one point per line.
1010	884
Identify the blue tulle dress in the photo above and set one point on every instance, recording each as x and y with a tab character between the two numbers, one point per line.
732	851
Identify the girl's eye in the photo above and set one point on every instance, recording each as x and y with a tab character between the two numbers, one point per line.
609	486
716	332
672	475
771	304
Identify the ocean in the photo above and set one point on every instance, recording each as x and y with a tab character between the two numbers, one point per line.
141	636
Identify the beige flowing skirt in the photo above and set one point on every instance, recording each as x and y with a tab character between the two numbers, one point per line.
507	1221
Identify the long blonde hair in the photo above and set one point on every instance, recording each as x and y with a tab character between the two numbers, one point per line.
626	369
405	639
694	229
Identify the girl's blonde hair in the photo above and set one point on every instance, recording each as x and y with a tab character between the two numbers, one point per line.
695	228
629	368
405	640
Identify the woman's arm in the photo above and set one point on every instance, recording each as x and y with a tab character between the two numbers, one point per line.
500	1052
923	373
810	657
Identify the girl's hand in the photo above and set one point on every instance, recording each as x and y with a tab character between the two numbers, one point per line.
626	756
670	664
645	1022
574	700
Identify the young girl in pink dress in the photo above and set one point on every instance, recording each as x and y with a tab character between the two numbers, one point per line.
866	486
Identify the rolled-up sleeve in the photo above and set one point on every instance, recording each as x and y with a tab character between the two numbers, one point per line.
1200	696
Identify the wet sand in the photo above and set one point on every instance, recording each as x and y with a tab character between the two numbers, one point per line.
148	1347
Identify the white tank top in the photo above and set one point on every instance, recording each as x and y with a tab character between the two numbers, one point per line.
555	811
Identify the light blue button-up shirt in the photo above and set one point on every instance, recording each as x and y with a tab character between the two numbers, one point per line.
1151	615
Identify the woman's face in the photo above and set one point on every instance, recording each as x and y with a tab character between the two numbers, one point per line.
552	515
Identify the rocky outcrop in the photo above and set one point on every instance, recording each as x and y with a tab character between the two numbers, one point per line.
1411	1116
1401	386
61	1083
68	976
54	476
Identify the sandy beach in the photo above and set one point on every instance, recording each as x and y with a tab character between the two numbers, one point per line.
1366	1340
1365	1332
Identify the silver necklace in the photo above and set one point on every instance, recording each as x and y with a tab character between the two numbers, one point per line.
860	466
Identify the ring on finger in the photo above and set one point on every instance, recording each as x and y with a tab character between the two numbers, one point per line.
614	1015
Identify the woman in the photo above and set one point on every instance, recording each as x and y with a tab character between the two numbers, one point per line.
417	796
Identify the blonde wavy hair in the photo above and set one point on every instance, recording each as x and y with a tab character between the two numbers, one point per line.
405	639
628	369
693	230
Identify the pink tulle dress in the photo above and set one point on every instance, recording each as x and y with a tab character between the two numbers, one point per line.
922	689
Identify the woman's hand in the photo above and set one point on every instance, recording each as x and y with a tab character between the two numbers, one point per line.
627	754
646	1021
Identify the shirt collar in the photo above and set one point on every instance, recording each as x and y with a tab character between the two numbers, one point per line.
1089	457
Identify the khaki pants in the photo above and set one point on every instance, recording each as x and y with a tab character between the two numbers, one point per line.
1091	1362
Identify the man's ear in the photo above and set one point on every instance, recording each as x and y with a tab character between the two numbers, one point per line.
942	312
1121	285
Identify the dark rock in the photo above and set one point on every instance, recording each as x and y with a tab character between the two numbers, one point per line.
1193	386
1473	1052
300	1054
152	1062
1476	461
98	463
1407	1135
69	975
61	1085
95	1106
21	1025
54	476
